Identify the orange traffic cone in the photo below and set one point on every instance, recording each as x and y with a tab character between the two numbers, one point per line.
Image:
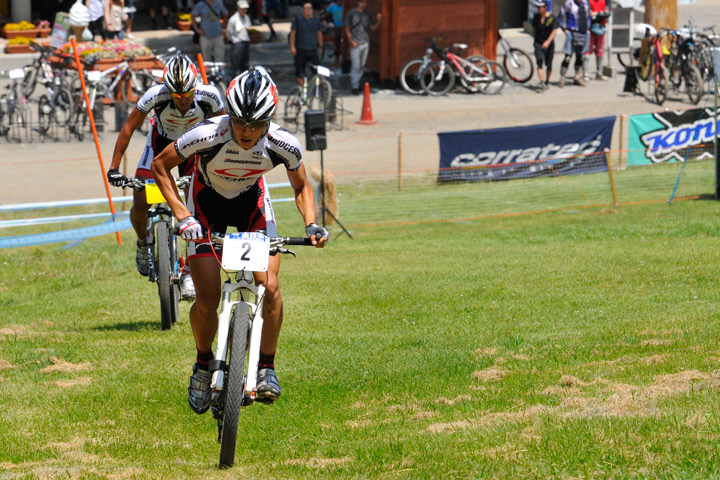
366	118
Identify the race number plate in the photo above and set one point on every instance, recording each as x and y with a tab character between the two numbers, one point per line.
324	71
153	193
94	75
16	73
246	251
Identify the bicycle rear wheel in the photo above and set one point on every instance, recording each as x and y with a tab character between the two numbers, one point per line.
495	77
518	65
693	84
167	289
410	76
319	95
659	84
293	105
437	78
234	384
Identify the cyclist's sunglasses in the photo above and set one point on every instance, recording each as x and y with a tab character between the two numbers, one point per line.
254	125
187	94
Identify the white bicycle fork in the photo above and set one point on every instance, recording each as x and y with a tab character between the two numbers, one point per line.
245	282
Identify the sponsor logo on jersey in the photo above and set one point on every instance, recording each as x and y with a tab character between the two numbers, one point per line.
204	139
287	147
230	151
248	162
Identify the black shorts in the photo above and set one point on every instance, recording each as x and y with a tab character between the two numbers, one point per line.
251	211
302	58
544	56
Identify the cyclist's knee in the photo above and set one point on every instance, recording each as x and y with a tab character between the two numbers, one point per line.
206	305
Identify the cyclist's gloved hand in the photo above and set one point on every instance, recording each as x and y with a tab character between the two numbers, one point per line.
317	230
115	178
190	229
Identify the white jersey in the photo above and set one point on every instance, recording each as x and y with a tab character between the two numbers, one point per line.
228	169
170	122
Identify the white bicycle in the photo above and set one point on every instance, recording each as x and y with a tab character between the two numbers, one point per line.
240	322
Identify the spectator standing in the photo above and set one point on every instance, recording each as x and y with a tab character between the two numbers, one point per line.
598	14
281	8
239	38
545	27
164	9
211	40
130	9
114	19
357	24
97	14
574	17
305	41
260	7
334	13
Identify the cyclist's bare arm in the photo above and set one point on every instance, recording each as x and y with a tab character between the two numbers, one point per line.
304	197
134	121
161	166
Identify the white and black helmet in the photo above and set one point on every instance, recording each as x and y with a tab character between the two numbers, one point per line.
252	95
180	74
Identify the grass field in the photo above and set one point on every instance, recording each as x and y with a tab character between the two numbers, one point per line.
572	344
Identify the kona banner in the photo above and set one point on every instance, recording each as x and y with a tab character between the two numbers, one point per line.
666	136
551	149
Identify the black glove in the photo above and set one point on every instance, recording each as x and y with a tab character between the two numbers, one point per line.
116	178
318	231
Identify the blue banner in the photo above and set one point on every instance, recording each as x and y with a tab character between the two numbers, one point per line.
550	149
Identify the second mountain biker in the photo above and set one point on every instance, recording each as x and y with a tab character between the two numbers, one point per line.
179	103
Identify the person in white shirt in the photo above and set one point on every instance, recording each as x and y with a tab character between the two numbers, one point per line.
239	38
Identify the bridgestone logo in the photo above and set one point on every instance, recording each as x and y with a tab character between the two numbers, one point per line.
287	147
527	155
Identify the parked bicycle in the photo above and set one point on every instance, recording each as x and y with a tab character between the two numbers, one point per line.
315	94
166	266
681	64
45	70
652	66
410	72
101	87
475	73
216	75
240	322
518	64
14	111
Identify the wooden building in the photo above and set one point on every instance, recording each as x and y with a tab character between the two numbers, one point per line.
407	23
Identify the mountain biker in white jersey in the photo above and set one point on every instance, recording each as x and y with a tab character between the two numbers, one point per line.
232	152
179	103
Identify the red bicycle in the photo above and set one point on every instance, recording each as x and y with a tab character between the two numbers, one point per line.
652	67
476	73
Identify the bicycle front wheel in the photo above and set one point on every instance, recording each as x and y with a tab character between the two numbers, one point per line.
410	76
518	65
30	79
234	384
167	289
319	95
293	105
437	78
44	114
660	85
693	84
62	107
495	77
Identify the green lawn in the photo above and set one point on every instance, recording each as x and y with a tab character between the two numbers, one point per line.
572	344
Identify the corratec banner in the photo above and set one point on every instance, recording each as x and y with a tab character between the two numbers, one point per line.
551	149
664	137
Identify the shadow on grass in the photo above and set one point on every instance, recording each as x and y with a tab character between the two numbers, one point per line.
129	326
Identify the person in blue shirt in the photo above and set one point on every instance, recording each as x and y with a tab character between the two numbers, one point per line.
334	13
206	17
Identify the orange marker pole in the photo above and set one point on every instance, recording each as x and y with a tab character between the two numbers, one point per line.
202	68
94	131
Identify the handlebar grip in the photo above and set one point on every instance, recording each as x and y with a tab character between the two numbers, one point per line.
298	241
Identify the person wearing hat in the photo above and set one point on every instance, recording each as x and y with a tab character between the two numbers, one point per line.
545	27
239	38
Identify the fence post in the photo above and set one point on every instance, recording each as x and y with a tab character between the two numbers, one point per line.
400	161
612	179
622	145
